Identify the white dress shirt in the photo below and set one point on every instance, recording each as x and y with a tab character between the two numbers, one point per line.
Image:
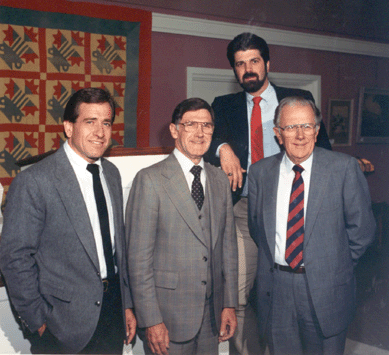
268	106
187	164
283	196
85	180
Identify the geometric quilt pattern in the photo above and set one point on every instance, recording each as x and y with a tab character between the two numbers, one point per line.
40	68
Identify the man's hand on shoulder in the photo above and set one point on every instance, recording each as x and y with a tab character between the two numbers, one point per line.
130	325
158	339
231	166
228	324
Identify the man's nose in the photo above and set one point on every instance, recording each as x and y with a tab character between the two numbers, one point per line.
299	132
99	131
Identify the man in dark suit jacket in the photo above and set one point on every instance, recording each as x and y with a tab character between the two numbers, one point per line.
310	215
182	247
249	57
69	289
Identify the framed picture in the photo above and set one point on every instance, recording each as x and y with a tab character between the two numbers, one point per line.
373	116
340	116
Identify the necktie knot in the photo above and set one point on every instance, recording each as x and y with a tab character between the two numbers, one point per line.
196	170
93	169
257	100
298	169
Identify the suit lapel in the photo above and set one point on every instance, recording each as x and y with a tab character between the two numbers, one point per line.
213	190
270	202
69	190
317	188
116	201
176	187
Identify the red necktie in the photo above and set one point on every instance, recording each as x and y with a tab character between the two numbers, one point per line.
256	132
295	231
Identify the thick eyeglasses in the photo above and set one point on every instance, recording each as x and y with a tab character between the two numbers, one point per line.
307	128
192	126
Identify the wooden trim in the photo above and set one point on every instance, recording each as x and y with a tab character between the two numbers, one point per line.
190	26
122	151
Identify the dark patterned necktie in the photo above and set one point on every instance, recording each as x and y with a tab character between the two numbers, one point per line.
256	131
295	229
197	187
103	218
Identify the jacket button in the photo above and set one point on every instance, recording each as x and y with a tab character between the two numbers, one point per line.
203	282
268	294
200	217
205	258
271	269
98	303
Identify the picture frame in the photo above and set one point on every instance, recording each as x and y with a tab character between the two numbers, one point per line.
340	118
373	116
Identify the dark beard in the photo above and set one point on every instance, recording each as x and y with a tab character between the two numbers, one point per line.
253	86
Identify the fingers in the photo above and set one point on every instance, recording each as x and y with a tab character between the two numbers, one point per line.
228	324
130	326
42	329
158	339
231	166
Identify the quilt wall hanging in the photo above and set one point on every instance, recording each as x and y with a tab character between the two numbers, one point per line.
49	50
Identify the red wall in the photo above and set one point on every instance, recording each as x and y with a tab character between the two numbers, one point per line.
342	75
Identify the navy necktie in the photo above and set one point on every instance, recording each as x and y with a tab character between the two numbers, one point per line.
103	217
295	229
197	187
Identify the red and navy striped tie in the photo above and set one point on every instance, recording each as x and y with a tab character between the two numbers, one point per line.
295	231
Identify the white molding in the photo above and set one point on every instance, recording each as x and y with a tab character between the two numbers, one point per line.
209	83
225	30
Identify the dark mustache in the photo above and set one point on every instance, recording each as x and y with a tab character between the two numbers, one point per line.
250	75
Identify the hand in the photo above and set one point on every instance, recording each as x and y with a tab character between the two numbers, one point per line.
228	324
365	165
231	166
130	325
42	329
157	338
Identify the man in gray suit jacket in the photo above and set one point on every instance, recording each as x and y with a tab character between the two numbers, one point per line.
62	256
310	216
182	248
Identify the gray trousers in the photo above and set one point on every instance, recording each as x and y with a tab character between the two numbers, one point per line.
245	340
294	328
206	342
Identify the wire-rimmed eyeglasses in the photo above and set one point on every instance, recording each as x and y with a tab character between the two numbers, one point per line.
192	126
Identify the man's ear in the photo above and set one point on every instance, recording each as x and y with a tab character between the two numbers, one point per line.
317	132
68	128
173	130
276	131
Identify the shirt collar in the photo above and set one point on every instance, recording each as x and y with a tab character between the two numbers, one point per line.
185	163
76	160
266	95
307	164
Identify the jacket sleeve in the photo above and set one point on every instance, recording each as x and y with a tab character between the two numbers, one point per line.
359	218
220	133
141	234
24	219
230	254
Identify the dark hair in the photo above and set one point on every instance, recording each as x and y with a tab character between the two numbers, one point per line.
192	104
88	96
295	100
246	41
